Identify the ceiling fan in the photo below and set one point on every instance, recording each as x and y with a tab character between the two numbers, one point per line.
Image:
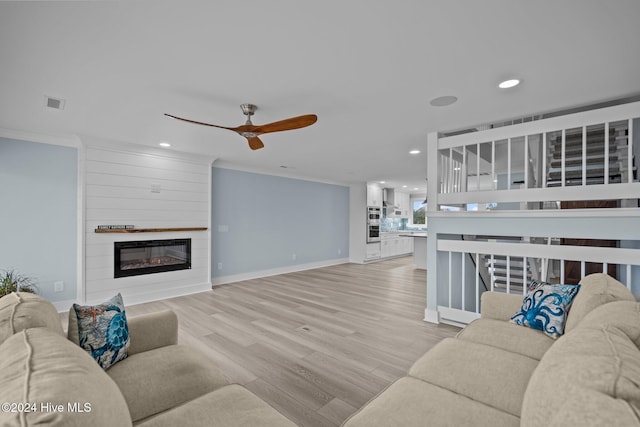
251	131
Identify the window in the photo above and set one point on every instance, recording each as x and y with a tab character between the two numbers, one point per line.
419	209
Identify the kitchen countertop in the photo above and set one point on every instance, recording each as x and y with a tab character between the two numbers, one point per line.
415	234
404	232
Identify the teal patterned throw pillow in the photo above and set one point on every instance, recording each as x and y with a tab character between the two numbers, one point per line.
534	284
103	331
545	307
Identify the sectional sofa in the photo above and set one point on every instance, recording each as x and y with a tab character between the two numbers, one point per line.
496	373
47	379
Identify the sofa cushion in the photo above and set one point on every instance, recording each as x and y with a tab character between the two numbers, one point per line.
42	367
545	308
495	377
498	305
157	380
21	310
507	336
624	315
103	330
596	289
229	406
590	377
410	402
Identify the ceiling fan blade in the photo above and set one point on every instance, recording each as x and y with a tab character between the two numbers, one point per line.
287	124
255	143
199	123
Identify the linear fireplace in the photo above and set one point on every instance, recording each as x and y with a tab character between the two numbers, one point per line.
151	256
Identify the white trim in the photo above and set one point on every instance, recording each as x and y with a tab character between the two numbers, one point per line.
223	164
210	224
431	316
577	120
456	317
146	150
64	140
132	299
550	213
147	296
630	142
232	278
80	226
535	250
588	192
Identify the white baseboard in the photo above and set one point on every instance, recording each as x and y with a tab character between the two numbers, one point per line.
223	280
166	293
431	316
456	317
132	299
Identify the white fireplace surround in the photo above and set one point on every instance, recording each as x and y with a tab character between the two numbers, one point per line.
150	188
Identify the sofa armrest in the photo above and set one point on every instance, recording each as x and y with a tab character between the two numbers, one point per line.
499	306
153	330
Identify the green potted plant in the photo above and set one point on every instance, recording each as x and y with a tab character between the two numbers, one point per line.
12	281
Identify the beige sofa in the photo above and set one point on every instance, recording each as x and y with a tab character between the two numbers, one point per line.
495	373
49	380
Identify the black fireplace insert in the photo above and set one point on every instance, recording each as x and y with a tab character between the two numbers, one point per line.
151	256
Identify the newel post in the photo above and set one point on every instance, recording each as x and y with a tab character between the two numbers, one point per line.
431	312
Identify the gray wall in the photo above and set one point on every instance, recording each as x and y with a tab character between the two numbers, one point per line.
38	219
260	221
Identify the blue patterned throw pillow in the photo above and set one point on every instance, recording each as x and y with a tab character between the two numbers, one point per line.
103	331
545	308
534	284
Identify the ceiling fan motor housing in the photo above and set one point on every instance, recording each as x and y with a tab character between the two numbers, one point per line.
248	109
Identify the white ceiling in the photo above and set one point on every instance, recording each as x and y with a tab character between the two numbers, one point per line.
367	68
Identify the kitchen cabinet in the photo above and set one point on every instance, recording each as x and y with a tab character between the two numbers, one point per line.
374	195
386	248
393	245
403	200
372	251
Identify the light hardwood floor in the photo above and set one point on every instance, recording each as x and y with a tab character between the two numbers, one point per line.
317	344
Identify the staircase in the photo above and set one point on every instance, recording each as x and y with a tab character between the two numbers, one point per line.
502	272
595	156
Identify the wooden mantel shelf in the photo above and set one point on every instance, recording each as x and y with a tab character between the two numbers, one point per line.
149	230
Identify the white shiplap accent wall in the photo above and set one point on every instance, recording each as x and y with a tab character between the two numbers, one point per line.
118	190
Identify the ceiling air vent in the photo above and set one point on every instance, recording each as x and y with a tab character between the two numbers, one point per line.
56	103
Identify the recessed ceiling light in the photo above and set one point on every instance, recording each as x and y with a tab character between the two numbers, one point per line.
404	186
382	182
414	152
415	188
164	144
509	83
443	101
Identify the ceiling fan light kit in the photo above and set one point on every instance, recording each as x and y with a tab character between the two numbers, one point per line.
251	131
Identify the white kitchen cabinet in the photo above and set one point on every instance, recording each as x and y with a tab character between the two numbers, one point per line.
374	195
385	248
407	245
394	245
403	200
372	251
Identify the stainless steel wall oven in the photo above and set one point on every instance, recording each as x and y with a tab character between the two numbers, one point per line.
373	223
